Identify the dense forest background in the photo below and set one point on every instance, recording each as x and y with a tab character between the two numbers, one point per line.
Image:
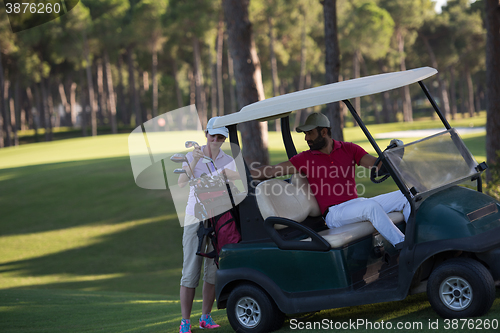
110	65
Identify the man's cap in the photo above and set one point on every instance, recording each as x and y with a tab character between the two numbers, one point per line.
314	120
219	130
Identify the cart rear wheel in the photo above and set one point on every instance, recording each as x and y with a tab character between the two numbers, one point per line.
250	309
461	287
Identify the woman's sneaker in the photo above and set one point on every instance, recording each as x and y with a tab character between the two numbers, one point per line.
185	326
206	321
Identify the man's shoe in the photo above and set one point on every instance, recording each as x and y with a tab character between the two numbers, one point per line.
185	327
208	322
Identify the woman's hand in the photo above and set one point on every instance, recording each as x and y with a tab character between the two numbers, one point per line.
197	154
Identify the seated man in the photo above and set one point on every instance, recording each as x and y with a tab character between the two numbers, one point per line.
329	166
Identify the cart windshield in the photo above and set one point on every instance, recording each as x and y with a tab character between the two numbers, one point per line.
158	152
434	162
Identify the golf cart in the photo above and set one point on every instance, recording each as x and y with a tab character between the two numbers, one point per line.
289	262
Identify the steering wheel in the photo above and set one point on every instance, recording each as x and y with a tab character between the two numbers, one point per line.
383	171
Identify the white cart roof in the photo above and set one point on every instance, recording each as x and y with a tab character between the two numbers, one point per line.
280	106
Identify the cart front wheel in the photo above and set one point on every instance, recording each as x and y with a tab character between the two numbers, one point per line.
460	288
250	309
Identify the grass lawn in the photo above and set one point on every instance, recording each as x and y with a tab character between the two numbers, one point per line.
83	249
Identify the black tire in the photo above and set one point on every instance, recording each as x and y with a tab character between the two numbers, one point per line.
250	309
461	288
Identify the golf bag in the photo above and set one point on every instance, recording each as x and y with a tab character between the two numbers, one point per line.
221	229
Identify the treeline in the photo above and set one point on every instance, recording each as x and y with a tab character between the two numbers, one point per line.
112	64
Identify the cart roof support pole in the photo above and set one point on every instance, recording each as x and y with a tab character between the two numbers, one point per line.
434	105
363	126
287	137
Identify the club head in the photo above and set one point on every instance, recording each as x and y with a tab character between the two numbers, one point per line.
207	159
180	171
178	158
190	144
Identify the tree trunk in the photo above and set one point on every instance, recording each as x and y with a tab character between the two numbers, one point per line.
143	89
274	66
17	103
2	141
72	102
22	105
46	114
272	55
35	107
477	98
122	110
302	78
247	70
373	100
192	88
178	92
470	92
213	86
27	105
8	112
13	115
192	99
386	97
443	94
90	85
407	108
43	108
356	74
5	136
134	94
146	113
463	100
52	116
103	114
154	78
332	66
83	103
111	94
64	101
230	71
492	82
220	53
453	93
201	100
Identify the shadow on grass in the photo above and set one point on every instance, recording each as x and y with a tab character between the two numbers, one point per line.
145	258
413	314
64	195
73	311
144	255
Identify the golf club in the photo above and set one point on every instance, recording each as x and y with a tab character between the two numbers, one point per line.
207	159
180	171
180	158
190	144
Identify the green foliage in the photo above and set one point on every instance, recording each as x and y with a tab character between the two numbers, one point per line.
368	28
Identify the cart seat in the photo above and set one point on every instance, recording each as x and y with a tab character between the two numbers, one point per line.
338	237
294	200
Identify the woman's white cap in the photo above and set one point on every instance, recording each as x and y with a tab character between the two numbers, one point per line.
219	130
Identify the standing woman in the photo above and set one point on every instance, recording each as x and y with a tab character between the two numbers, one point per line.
191	267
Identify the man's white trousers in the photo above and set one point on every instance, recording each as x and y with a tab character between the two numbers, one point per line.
374	210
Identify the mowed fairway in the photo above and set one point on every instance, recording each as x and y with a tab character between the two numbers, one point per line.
83	248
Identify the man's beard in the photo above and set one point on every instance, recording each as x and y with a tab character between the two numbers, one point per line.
318	143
